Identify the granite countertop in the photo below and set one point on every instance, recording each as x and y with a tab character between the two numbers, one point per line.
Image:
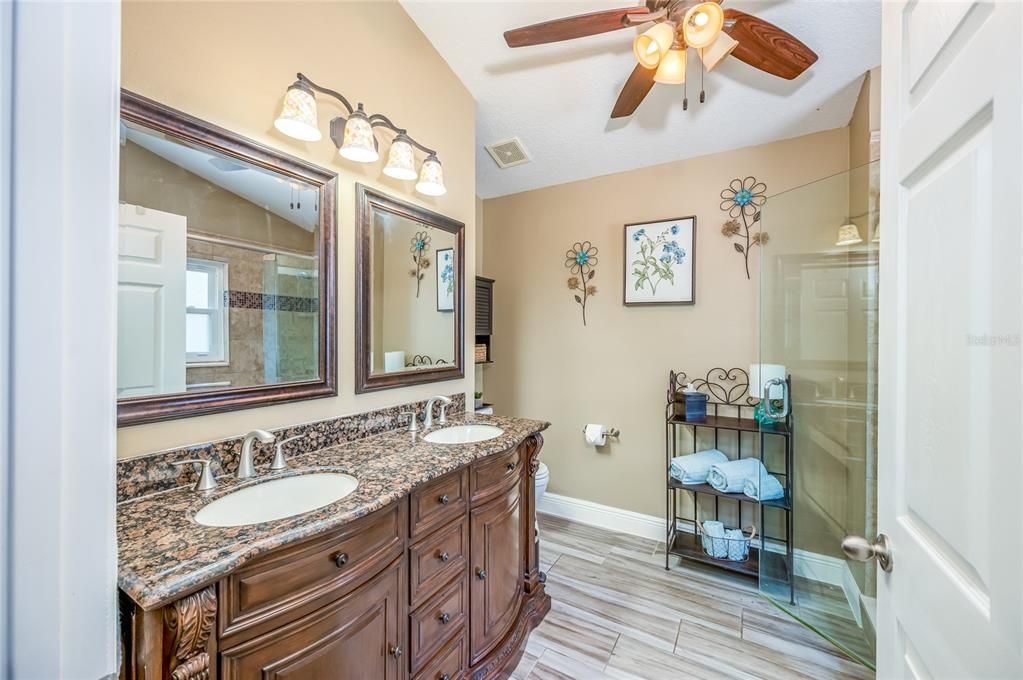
164	554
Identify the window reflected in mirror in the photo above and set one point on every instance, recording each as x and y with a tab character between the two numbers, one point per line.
218	270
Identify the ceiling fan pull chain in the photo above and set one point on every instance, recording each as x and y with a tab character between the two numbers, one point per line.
685	97
703	96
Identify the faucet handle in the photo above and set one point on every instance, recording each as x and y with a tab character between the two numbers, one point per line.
280	462
442	419
206	481
413	421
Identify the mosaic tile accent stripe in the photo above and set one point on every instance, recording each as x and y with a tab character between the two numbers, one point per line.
154	472
240	299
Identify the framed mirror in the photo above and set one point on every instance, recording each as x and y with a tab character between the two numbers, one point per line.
226	270
409	294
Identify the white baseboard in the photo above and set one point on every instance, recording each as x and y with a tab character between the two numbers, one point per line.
602	516
813	566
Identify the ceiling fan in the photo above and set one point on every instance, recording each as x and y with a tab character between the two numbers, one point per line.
678	25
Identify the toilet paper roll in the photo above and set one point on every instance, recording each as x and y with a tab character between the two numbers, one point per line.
394	361
595	434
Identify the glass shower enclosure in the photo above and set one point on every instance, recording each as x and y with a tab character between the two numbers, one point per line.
818	318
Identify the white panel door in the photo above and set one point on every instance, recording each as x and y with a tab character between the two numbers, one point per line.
950	473
151	263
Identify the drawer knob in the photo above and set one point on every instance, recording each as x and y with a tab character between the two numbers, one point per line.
341	560
445	617
444	677
481	574
396	651
511	466
444	557
444	500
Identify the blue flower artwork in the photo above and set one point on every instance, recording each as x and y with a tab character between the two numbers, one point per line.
659	262
446	280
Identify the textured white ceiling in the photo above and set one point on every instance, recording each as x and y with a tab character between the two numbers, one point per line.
557	98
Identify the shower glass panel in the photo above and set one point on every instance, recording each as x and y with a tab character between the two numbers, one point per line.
818	318
290	318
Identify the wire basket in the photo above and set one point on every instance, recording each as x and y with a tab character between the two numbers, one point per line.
726	549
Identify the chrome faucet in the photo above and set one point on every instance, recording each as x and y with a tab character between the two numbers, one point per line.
245	467
442	419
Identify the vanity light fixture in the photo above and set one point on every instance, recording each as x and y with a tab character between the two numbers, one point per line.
355	136
848	235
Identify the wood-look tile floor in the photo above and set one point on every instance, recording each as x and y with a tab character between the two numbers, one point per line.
616	613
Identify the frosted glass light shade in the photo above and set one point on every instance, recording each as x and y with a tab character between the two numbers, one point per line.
431	178
722	46
702	24
651	45
358	143
672	69
848	235
298	115
400	160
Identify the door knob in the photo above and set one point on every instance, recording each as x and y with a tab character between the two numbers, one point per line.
481	574
395	651
860	549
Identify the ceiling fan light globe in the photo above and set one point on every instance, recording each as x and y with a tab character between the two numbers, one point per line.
722	46
672	69
703	24
651	45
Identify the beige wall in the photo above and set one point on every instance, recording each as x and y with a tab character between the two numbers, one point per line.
614	371
230	64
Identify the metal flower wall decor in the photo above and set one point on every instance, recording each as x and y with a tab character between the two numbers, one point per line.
420	245
742	200
581	260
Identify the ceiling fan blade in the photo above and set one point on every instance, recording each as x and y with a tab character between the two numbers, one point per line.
572	27
764	46
635	90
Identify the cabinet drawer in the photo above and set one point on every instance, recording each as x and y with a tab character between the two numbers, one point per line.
294	580
438	502
436	559
357	636
451	662
437	620
493	475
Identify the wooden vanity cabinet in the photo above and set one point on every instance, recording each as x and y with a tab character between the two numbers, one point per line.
441	584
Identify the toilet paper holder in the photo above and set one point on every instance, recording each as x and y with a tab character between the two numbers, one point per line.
608	432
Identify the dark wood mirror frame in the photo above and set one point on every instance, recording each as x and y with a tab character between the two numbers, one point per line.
366	200
156	116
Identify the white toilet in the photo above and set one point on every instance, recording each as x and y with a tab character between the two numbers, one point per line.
542	476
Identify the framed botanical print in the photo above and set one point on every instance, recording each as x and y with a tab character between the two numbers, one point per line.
660	268
446	280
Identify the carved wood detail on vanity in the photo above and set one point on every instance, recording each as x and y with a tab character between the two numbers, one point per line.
467	537
188	623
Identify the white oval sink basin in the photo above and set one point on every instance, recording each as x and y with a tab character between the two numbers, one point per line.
277	499
463	434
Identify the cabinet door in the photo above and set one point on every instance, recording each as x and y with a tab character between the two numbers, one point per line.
496	580
358	636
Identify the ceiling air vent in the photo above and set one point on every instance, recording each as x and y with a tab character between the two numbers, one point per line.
508	153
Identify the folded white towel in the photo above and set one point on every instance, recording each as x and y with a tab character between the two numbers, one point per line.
693	469
731	476
713	539
738	548
765	488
